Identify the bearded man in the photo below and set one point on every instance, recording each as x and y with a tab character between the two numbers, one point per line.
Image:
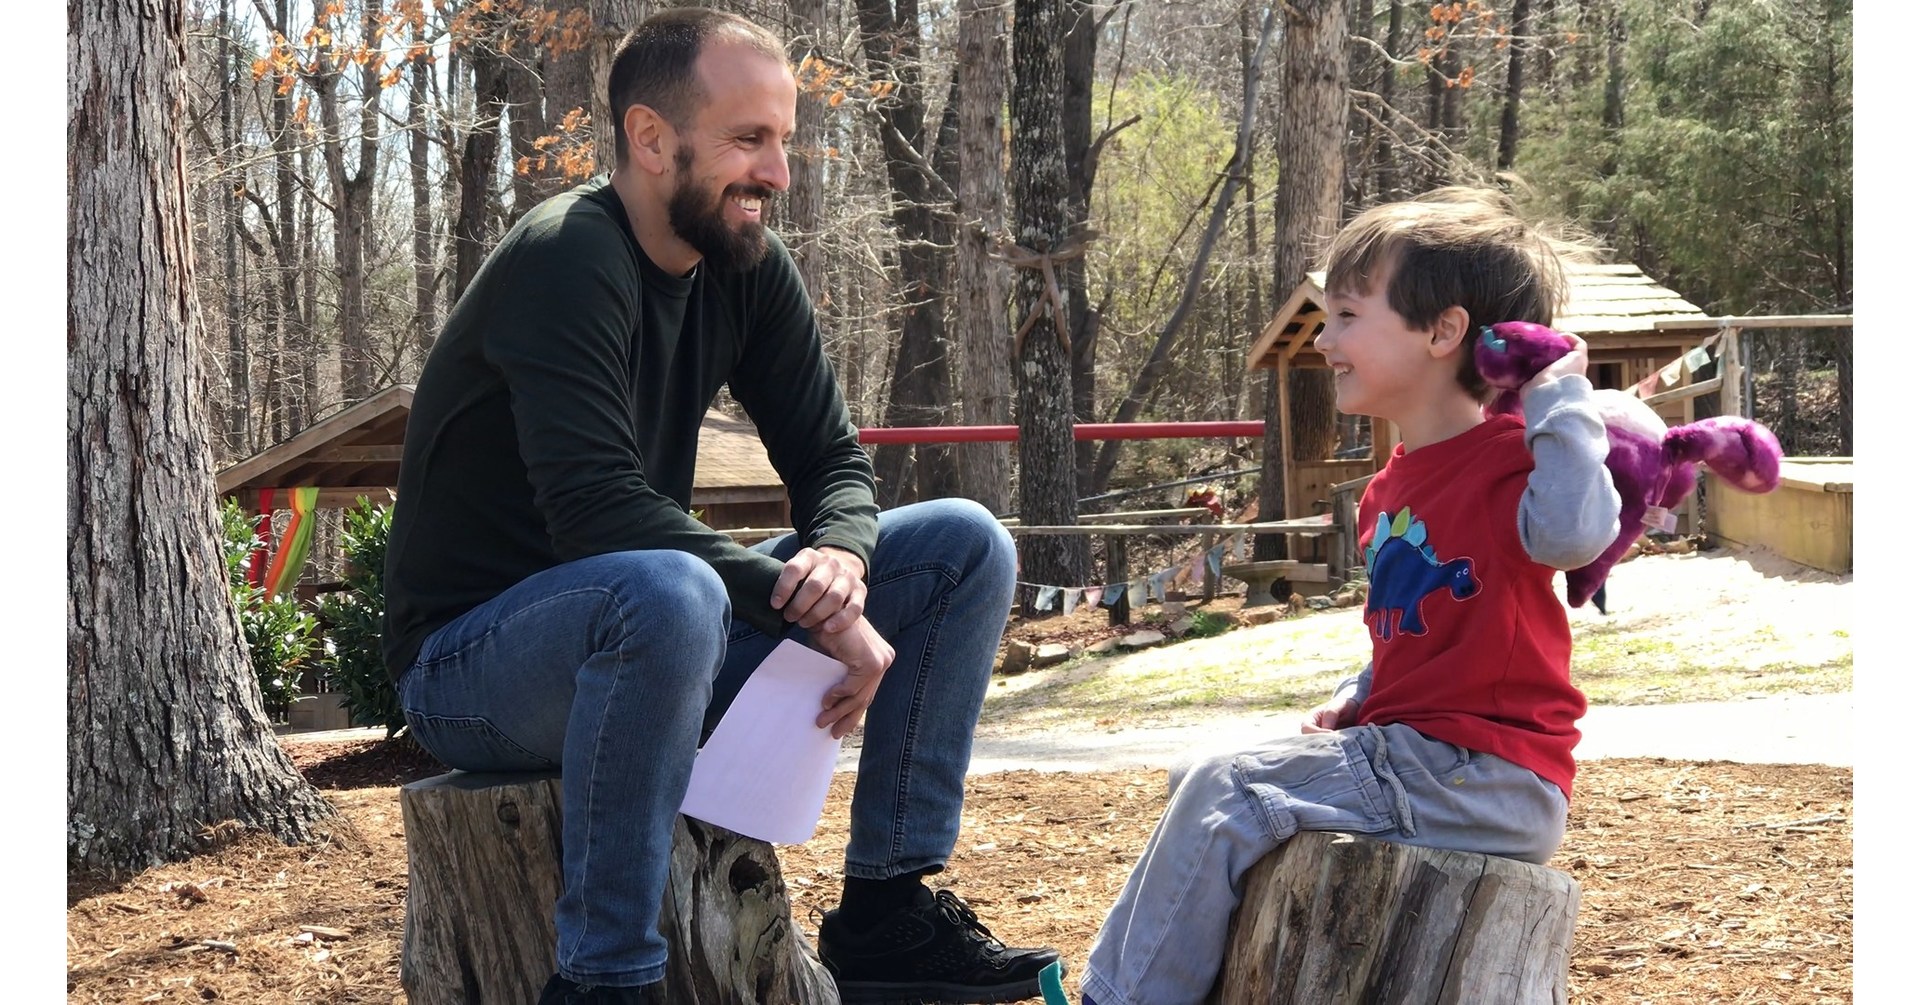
552	604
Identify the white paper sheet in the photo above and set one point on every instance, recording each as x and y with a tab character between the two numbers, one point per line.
764	772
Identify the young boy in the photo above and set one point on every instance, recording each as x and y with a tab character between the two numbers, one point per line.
1460	732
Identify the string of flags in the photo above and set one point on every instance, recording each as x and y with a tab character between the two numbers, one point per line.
1693	359
1138	592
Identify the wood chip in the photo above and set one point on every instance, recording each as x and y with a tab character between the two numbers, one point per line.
323	932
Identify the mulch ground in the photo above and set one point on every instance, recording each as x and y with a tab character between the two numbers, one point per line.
1701	882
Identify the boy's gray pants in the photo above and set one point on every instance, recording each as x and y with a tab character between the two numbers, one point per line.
1164	940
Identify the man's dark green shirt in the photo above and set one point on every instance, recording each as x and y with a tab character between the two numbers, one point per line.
558	417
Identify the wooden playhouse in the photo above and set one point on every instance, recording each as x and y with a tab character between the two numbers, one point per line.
1633	327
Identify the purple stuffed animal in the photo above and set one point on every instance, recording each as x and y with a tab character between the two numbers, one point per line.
1653	466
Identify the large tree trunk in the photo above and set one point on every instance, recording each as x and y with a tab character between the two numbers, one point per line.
1076	128
527	121
239	386
1386	179
478	161
1334	919
922	386
483	873
166	739
1313	117
804	210
1517	48
353	208
1042	207
1361	138
425	323
981	284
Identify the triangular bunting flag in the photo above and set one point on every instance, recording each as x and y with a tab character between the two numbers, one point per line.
1048	596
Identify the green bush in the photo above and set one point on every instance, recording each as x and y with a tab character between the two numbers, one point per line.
354	664
1207	624
280	640
280	636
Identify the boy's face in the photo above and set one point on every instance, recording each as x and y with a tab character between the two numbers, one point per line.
1380	363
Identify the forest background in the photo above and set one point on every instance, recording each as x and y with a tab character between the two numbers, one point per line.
1711	143
351	164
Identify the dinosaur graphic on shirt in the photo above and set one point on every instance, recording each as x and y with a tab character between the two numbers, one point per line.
1402	570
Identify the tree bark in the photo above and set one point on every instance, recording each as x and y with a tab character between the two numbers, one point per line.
1076	126
1517	49
921	390
352	206
166	739
239	385
804	210
483	873
1386	181
1361	141
1613	111
527	121
479	156
1313	117
1042	209
1330	919
425	323
981	285
288	393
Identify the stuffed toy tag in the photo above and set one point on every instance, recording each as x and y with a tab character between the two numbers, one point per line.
1661	519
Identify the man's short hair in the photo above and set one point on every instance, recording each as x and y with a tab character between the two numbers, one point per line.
1456	246
653	65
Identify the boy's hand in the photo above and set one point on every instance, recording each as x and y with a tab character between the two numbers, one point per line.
1575	361
1336	714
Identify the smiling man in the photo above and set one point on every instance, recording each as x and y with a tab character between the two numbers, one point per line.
552	604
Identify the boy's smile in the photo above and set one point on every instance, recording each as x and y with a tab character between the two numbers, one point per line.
1378	360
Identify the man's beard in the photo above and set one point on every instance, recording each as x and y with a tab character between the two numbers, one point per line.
702	223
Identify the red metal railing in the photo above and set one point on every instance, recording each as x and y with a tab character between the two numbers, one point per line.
1081	431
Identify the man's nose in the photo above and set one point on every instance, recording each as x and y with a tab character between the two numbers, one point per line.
771	170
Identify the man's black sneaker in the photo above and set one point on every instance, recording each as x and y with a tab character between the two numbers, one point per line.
935	950
560	991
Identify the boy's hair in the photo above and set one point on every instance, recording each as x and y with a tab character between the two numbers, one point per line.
653	65
1457	246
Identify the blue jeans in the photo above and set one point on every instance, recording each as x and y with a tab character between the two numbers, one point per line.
1166	936
612	668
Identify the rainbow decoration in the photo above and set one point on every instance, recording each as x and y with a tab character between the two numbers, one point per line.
291	556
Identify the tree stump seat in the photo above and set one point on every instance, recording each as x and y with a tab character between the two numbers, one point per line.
483	873
1334	918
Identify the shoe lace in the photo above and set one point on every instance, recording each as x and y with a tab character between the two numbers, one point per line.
956	910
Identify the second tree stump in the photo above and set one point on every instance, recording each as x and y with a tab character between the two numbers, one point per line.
1334	918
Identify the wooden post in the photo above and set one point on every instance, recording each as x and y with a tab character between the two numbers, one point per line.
1334	918
1122	612
483	872
1733	376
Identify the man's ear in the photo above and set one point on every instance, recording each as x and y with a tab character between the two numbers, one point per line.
1449	332
650	139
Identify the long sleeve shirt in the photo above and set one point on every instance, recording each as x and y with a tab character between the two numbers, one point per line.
558	417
